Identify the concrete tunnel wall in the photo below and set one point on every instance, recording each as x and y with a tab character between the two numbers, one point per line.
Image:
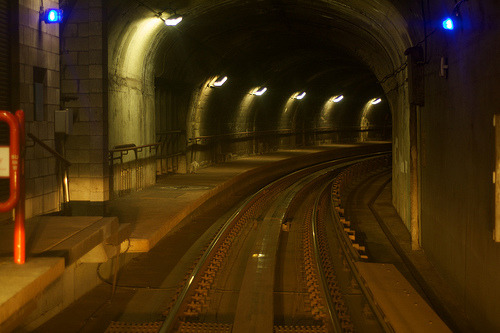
457	159
456	156
130	91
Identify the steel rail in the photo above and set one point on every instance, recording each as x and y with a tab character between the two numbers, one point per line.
170	321
350	259
171	318
335	321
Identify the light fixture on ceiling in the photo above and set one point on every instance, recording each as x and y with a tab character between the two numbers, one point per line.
259	92
300	96
173	20
376	101
338	98
170	20
217	82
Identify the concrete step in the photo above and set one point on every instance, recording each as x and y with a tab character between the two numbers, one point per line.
62	257
21	284
403	307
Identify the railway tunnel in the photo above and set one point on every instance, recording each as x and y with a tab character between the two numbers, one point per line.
128	102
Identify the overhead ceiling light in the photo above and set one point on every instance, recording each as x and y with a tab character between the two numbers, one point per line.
219	82
337	98
173	20
302	95
376	101
259	92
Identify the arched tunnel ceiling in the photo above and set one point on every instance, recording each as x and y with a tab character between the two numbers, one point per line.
322	46
267	40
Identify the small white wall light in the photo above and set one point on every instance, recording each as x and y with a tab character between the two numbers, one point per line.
218	82
173	20
338	98
259	92
301	96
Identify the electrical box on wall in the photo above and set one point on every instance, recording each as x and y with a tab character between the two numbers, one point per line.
63	121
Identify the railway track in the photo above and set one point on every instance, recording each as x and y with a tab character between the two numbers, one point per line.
283	262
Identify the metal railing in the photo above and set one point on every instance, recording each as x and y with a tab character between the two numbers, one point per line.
239	135
173	151
169	151
217	147
64	165
122	180
383	130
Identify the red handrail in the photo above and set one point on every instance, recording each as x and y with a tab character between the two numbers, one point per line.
16	175
14	151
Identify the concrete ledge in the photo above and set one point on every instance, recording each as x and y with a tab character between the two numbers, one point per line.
56	272
404	308
83	241
20	284
69	237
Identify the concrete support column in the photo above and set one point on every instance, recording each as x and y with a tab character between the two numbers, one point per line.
36	59
84	91
416	64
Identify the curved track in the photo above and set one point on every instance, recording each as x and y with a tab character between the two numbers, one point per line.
283	262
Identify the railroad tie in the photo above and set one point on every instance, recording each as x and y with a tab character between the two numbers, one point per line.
120	327
345	222
189	327
199	296
358	247
300	329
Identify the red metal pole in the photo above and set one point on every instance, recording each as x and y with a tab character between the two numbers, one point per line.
16	170
14	151
19	231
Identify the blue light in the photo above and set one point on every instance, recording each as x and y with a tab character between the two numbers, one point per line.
448	24
53	15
